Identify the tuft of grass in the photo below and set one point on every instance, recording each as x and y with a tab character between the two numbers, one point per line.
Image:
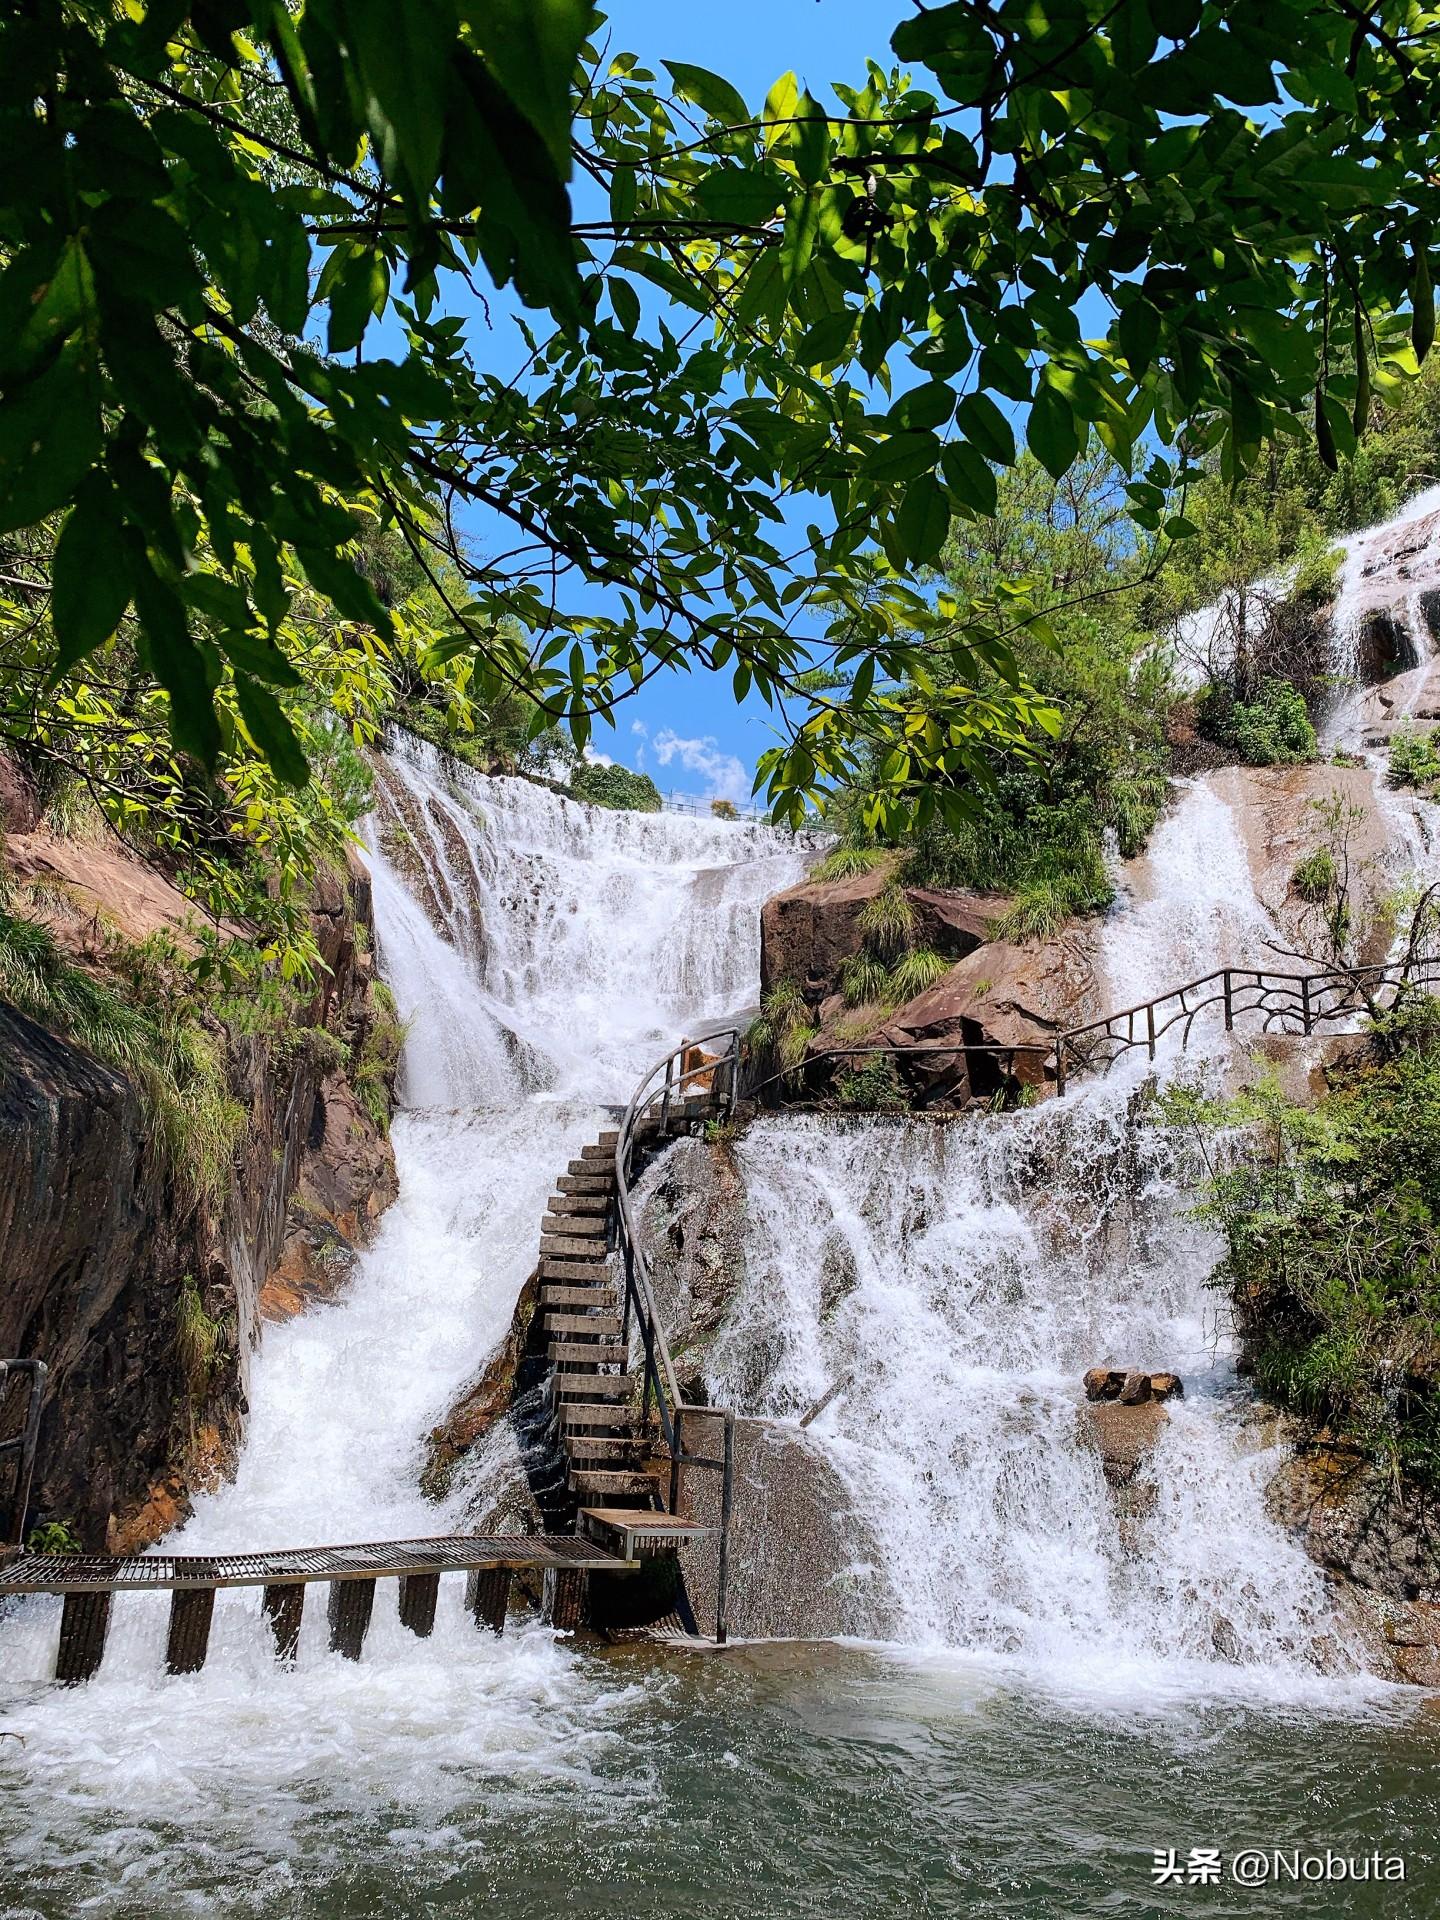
844	863
378	1056
150	1033
1316	875
865	980
916	972
196	1340
783	1027
887	922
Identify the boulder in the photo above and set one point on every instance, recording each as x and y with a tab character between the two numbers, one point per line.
1132	1387
807	932
1000	995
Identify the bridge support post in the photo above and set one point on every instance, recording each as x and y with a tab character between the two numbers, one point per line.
351	1604
191	1611
565	1592
284	1605
418	1594
83	1626
487	1596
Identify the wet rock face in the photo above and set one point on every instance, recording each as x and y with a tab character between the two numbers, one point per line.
1380	1546
100	1245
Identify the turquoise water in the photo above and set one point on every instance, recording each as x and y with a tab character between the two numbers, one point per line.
760	1784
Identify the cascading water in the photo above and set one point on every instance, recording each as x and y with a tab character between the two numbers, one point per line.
959	1279
542	954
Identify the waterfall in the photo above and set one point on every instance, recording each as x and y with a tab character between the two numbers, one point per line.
959	1279
542	953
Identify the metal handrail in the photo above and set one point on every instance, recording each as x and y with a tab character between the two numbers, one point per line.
667	1078
25	1444
1307	999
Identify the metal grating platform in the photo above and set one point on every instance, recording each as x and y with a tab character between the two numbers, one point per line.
463	1553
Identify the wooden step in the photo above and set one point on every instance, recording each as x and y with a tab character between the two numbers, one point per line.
607	1140
593	1170
597	1272
599	1295
569	1246
591	1389
579	1203
599	1152
597	1353
583	1226
572	1416
596	1184
619	1449
600	1325
589	1480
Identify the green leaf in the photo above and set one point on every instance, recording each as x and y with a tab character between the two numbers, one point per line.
263	658
802	229
1051	433
348	591
1422	299
268	727
779	110
924	519
403	53
626	302
532	47
177	663
358	295
903	456
740	194
922	407
969	477
709	92
985	427
1138	329
49	437
90	582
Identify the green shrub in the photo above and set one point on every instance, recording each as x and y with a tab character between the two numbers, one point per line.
54	1536
1271	730
1331	1225
873	1086
378	1057
617	787
1415	756
196	1340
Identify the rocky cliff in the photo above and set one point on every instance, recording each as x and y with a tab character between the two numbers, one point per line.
144	1300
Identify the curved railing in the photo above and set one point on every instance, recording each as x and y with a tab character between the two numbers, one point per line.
660	1099
1288	1002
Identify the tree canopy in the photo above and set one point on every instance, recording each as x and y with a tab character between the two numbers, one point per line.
235	236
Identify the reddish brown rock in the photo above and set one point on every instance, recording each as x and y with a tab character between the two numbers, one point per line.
1132	1387
809	931
998	997
488	1397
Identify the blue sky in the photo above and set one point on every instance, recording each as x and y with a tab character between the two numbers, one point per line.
684	729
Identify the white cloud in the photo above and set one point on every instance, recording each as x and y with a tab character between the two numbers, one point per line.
597	759
726	775
642	733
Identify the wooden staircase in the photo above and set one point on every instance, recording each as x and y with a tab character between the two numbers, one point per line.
592	1390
